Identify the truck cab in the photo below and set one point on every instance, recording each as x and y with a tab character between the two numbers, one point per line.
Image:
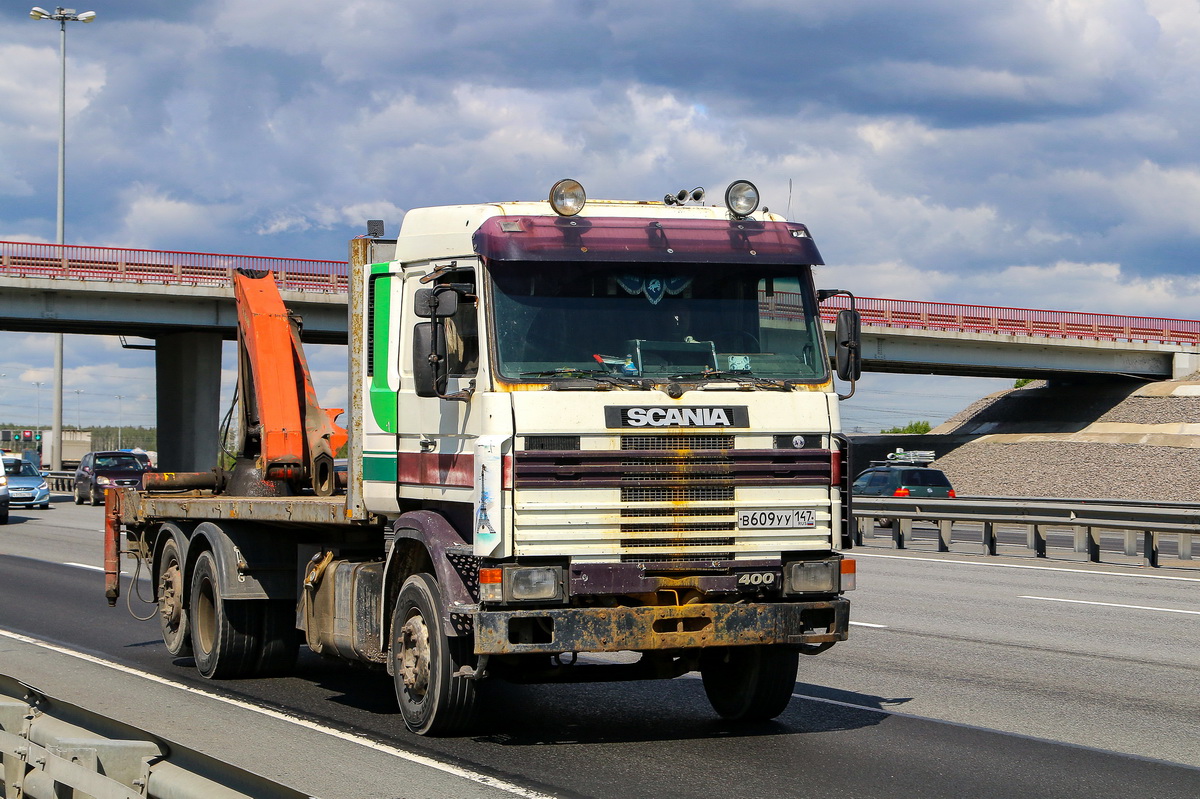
605	426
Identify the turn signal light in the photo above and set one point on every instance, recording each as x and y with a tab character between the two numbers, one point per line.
849	574
490	589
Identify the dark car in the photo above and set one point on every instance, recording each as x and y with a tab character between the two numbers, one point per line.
3	499
904	474
100	470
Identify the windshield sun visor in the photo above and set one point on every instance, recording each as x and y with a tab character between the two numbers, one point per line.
745	241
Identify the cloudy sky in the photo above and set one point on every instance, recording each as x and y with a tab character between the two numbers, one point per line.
1028	153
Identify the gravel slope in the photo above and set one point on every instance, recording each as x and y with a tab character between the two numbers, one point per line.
1034	441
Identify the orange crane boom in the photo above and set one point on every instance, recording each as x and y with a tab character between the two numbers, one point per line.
284	428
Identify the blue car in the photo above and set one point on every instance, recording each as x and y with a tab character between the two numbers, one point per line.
26	485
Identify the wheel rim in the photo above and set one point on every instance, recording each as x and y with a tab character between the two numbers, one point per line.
204	615
414	657
170	596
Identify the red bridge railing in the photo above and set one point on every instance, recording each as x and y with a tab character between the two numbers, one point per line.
118	265
996	320
71	262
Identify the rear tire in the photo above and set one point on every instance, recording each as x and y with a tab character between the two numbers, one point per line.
424	660
749	683
172	616
223	640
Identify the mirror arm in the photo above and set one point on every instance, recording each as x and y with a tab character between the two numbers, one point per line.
853	380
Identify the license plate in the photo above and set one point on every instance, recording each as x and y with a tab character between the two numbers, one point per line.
776	519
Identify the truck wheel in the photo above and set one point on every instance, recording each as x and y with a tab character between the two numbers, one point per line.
223	639
172	617
424	659
749	683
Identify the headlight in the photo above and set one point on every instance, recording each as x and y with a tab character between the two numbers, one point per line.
3	480
101	480
520	584
526	584
812	577
42	486
741	198
567	197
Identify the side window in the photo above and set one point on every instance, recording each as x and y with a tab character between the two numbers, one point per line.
462	331
878	480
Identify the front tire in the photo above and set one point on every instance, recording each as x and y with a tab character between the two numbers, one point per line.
749	683
92	499
172	616
424	660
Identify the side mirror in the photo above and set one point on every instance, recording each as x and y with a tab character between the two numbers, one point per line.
848	345
435	304
429	358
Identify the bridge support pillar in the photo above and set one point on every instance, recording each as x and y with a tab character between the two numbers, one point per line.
188	369
1184	364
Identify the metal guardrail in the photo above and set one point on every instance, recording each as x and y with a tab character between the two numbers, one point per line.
61	481
1084	519
51	749
114	264
120	265
996	320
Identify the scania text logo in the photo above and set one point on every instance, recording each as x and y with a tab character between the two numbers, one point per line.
728	416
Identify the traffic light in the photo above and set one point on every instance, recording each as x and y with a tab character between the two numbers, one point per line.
27	435
37	436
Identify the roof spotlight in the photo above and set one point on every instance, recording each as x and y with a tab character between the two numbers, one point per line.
741	198
567	197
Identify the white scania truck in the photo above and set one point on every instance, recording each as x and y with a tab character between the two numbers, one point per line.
577	428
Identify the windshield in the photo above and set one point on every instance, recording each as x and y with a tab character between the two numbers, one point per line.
655	321
127	463
20	469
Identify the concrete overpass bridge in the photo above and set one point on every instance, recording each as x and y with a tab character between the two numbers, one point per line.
184	301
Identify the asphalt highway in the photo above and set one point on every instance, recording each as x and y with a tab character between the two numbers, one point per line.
964	677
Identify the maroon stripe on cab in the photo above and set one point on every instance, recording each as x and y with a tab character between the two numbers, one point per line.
454	470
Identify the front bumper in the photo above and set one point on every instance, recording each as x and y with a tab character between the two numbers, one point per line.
503	632
26	499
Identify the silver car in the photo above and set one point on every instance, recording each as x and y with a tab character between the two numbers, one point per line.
27	486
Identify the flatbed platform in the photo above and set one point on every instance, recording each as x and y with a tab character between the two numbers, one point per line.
138	507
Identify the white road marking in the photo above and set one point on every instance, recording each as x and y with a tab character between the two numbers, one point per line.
447	768
865	624
1112	605
857	554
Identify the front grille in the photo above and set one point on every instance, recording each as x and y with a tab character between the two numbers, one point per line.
661	499
692	493
728	467
677	442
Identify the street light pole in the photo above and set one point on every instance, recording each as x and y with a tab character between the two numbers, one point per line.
62	16
120	421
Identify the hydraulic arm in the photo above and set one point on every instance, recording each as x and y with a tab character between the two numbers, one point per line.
284	430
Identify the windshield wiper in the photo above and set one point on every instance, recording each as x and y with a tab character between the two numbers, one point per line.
712	375
599	375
